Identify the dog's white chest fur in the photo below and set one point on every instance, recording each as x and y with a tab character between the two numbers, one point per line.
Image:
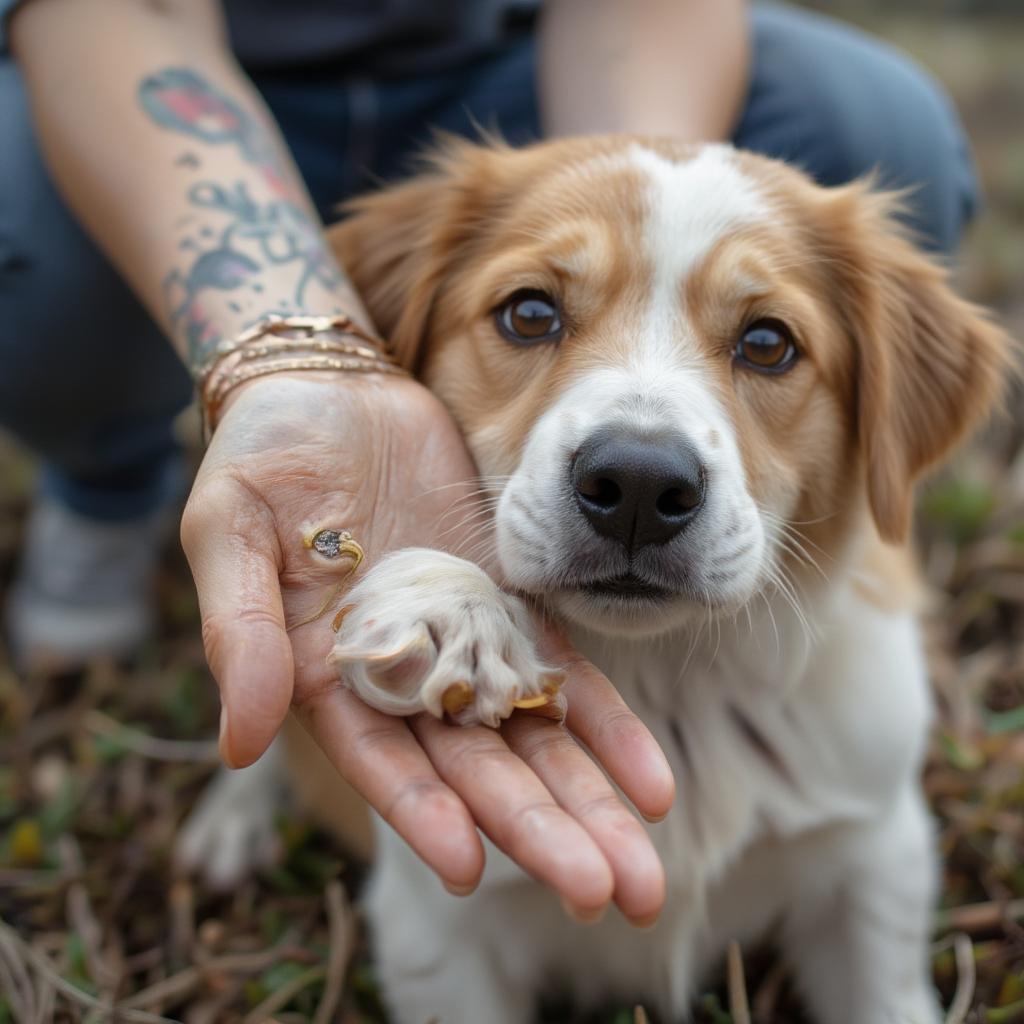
796	761
773	734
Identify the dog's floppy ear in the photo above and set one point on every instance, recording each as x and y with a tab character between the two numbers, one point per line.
930	366
398	244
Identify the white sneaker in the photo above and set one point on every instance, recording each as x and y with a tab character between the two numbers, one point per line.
84	587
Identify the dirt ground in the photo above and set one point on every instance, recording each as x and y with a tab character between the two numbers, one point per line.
97	772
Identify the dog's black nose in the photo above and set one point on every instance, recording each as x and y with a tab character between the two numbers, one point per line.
638	490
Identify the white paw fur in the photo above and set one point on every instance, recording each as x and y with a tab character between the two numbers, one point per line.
425	631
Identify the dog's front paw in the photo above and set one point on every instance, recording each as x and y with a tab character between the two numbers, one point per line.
425	631
231	834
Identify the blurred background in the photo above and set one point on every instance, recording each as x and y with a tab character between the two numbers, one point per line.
98	770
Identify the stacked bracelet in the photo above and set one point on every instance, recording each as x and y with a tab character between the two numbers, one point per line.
284	344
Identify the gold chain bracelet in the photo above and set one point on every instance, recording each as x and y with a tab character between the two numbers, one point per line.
279	344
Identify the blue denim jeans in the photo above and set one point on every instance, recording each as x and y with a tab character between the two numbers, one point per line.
88	382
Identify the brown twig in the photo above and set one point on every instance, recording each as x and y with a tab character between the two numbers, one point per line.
342	936
739	1008
259	960
176	987
42	965
963	951
144	961
46	998
211	1010
153	747
767	995
16	984
83	921
284	995
185	981
979	917
183	921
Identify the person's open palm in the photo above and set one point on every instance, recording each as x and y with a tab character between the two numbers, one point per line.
382	458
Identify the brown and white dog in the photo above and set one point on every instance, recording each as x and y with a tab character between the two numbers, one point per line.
704	387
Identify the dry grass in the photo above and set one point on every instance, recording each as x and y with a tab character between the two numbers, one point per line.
90	799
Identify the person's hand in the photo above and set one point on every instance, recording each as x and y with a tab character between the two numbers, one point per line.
382	458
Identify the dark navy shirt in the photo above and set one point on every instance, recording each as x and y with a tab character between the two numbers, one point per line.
382	38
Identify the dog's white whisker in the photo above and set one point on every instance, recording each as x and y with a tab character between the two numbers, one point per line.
476	482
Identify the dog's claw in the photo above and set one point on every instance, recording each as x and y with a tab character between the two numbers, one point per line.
529	703
548	698
457	698
340	617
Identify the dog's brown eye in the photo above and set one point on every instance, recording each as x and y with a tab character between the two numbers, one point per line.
529	317
767	345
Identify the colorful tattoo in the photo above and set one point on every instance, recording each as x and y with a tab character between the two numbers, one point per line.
234	238
180	99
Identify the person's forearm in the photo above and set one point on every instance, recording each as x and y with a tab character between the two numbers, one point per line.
171	161
656	67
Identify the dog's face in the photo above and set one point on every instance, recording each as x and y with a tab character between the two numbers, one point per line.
678	365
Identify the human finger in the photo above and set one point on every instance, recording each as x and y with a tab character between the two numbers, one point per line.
516	811
599	717
379	756
584	792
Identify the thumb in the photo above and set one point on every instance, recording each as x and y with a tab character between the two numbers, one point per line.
231	548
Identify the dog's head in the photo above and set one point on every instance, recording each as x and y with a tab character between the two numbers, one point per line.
678	364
